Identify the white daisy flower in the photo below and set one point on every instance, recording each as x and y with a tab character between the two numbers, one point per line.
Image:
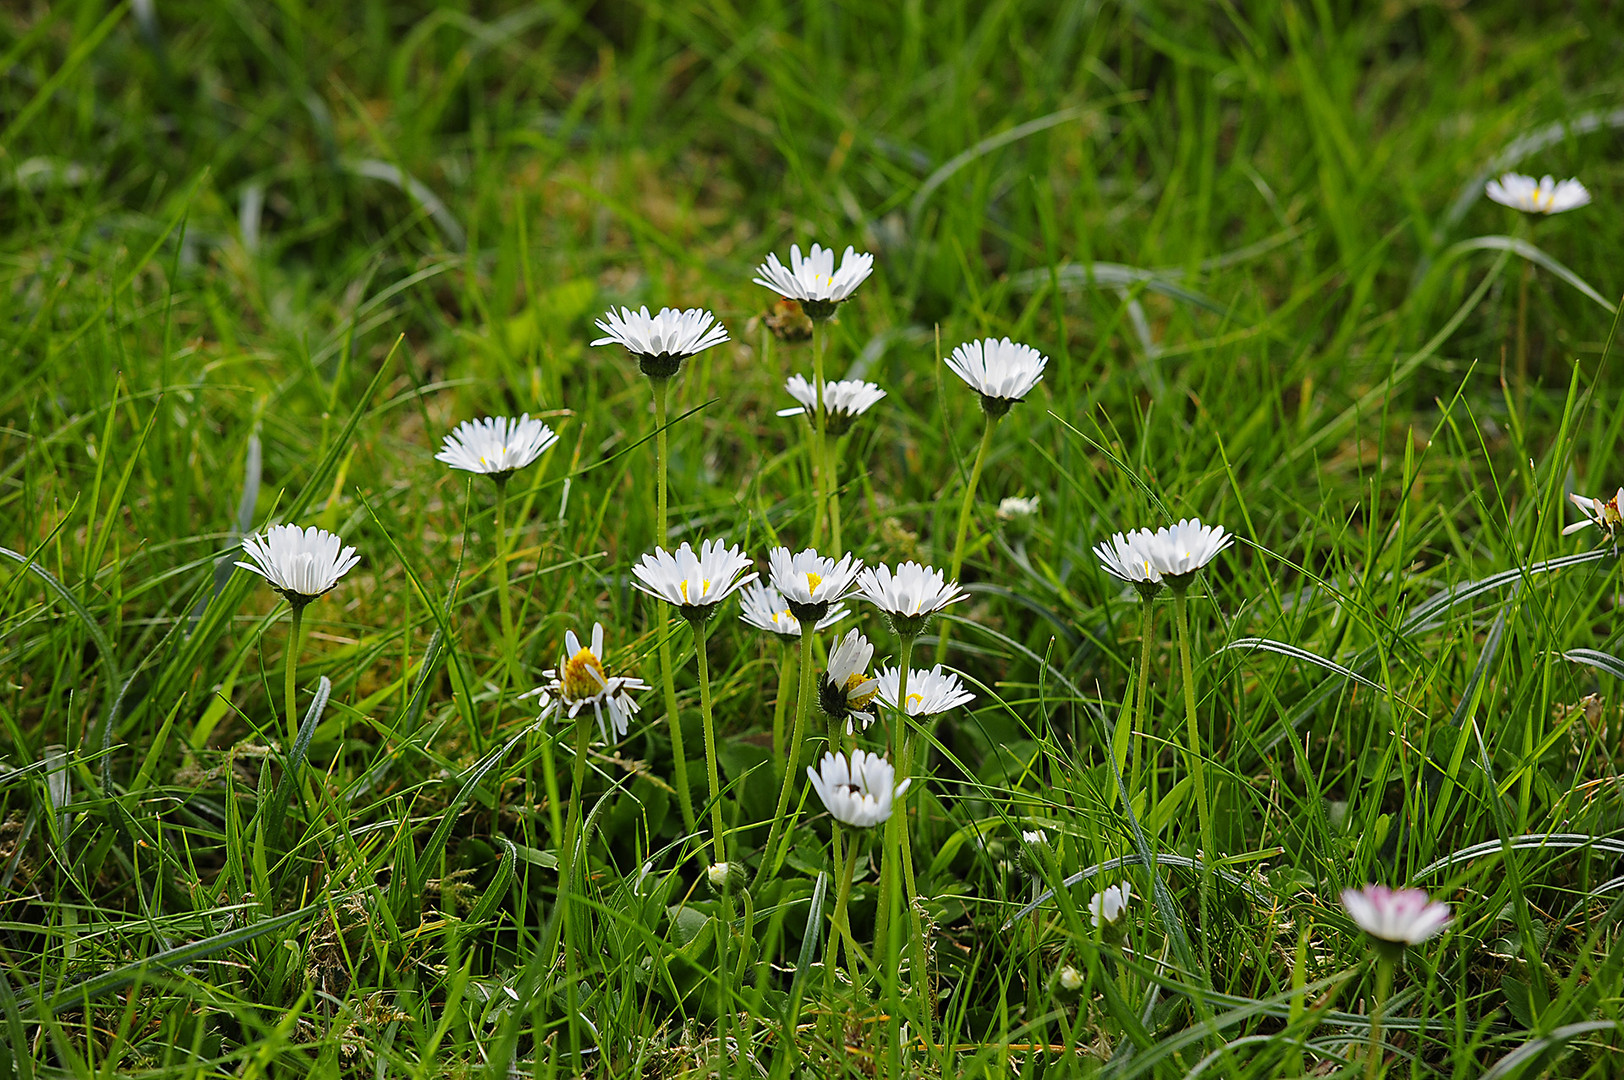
580	681
1396	916
910	595
1109	904
765	608
694	583
1131	556
930	693
1035	837
814	281
857	792
1185	548
809	582
1016	508
1604	515
1544	196
845	692
1002	372
496	445
843	401
661	342
1070	979
301	564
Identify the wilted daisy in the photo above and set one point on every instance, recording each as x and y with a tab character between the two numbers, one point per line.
1604	515
858	791
1179	552
909	595
301	564
496	446
845	691
580	681
1396	917
814	281
661	342
765	609
809	582
1543	196
843	401
1107	906
1001	371
930	693
694	583
1130	557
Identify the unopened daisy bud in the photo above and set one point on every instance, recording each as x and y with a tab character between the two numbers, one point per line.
814	281
1034	849
661	342
1003	372
721	875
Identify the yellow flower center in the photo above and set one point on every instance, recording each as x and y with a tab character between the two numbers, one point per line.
813	581
583	675
704	587
861	699
783	618
915	699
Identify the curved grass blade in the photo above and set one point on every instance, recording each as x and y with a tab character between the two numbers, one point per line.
1601	661
945	172
1182	861
1529	252
1270	645
1525	842
1530	1050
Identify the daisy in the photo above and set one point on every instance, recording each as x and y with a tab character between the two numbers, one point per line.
1544	196
1130	556
1396	917
1179	552
909	596
1016	508
814	281
765	609
579	681
843	401
1002	372
1604	515
301	564
661	342
1107	906
693	583
1034	837
809	582
845	692
930	693
857	792
496	446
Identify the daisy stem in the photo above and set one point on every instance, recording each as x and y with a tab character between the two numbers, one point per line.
1198	774
843	922
769	855
1384	986
963	529
700	640
662	392
1146	628
902	845
819	480
1523	231
291	681
685	798
832	450
568	881
510	645
781	700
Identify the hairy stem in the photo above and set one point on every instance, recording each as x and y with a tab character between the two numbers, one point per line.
770	854
963	529
706	720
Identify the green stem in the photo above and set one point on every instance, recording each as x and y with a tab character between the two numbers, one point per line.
1198	774
770	855
1384	986
510	643
843	924
685	798
700	639
832	450
963	528
291	680
900	849
1147	626
818	478
780	701
568	881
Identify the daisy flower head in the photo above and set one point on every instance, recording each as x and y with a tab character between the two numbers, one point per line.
580	681
857	791
1131	556
845	692
908	596
661	342
496	446
814	281
1106	907
843	401
930	693
1542	196
809	582
1001	371
766	609
301	564
1185	548
694	582
1605	515
1396	918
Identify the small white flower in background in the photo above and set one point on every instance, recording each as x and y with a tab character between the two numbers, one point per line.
1107	906
843	401
661	342
497	445
930	693
1543	196
1001	371
301	564
1131	557
1016	508
810	582
718	874
1606	516
814	281
1396	917
1070	979
859	791
580	681
693	583
909	595
765	609
845	692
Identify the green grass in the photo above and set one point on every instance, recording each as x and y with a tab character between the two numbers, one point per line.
258	259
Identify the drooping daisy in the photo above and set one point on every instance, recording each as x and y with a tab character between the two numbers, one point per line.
1544	196
1001	371
845	691
1185	548
694	583
814	281
1396	917
908	596
930	693
843	401
765	608
809	582
1130	556
661	342
580	681
1109	904
858	791
301	564
1606	516
496	446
